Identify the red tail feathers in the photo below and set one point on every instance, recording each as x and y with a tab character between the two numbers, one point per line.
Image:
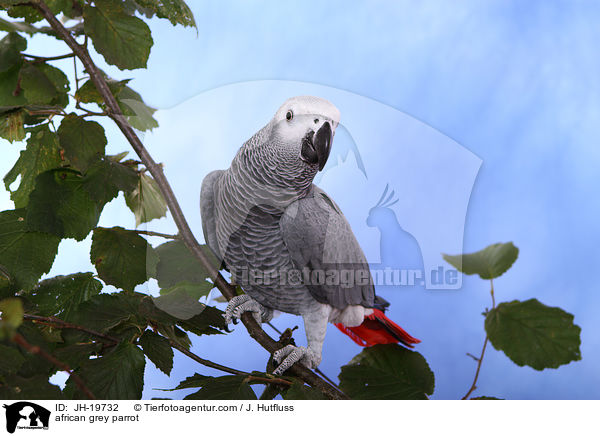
378	329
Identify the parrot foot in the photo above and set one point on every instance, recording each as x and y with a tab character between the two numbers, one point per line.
244	303
291	354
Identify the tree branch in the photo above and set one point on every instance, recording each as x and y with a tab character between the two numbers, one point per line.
160	235
55	322
255	331
205	362
37	59
22	342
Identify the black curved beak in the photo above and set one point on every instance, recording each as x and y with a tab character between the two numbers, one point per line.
317	146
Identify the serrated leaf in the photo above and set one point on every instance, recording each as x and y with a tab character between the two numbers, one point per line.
146	201
209	322
26	388
105	178
177	264
42	154
61	296
11	125
59	205
483	397
194	290
138	113
489	263
76	354
122	257
83	141
122	39
103	312
179	304
386	372
44	84
228	387
158	350
11	312
11	47
531	333
88	93
300	391
11	360
24	255
11	93
176	11
118	375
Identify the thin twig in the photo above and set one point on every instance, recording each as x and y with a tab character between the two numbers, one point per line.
254	329
34	349
55	322
160	235
480	359
37	59
205	362
275	380
479	362
224	368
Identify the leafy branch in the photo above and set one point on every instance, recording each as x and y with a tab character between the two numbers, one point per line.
21	341
528	332
115	113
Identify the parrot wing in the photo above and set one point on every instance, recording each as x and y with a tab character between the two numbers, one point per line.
318	237
207	211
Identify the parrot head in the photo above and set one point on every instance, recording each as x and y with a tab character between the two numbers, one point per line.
302	131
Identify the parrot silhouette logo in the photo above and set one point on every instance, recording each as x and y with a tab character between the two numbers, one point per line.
26	415
399	248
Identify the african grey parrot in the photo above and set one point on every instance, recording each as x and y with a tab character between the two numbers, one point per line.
286	242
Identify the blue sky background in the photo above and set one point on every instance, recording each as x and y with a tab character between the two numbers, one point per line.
515	83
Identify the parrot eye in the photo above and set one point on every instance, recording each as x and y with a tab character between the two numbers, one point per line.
289	115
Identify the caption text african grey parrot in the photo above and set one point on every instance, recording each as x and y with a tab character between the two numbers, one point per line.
269	224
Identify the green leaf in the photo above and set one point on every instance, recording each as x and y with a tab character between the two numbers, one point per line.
60	296
118	375
483	397
11	360
489	263
299	391
103	312
194	290
76	354
176	11
23	388
138	113
11	93
122	257
44	84
24	255
11	125
146	201
386	372
228	387
11	312
531	333
159	351
123	40
179	304
11	47
177	264
59	205
42	154
105	178
88	93
83	141
209	322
